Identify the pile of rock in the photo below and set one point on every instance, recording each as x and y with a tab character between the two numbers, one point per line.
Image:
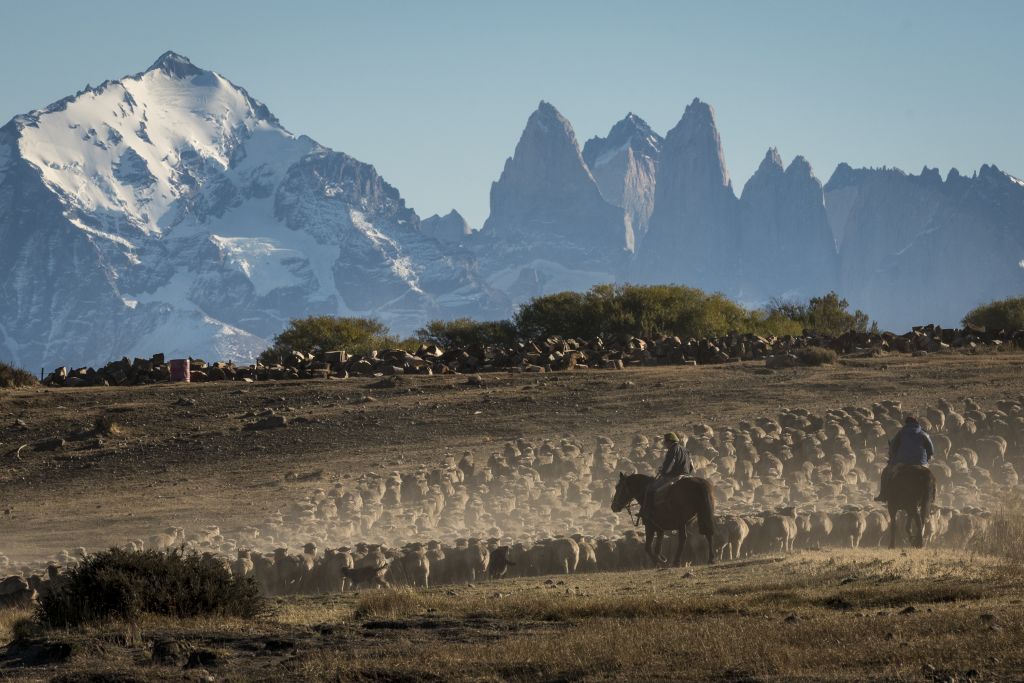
547	355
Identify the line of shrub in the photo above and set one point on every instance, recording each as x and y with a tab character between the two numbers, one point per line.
635	310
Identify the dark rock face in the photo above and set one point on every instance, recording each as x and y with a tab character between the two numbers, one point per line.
786	246
693	236
625	167
548	221
546	191
915	247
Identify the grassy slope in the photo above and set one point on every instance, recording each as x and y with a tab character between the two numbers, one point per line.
841	615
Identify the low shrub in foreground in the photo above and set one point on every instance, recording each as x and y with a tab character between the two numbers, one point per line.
12	377
816	355
125	584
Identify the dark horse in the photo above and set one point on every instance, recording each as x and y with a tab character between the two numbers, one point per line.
687	498
911	489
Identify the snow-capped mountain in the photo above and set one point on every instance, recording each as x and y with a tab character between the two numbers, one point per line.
170	211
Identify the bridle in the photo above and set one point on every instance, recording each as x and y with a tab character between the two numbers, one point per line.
628	507
635	519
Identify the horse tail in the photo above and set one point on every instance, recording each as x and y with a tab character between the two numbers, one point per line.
706	510
928	500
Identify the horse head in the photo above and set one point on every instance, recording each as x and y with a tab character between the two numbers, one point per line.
624	494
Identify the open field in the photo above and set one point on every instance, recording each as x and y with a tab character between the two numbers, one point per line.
180	455
134	461
815	615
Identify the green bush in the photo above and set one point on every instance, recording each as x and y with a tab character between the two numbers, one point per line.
327	333
816	355
465	332
1007	314
645	311
123	584
826	314
12	377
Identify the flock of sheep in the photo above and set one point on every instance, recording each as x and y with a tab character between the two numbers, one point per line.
542	507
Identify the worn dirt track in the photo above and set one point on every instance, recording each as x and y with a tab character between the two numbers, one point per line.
183	455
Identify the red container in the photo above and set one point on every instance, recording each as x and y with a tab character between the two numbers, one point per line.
180	371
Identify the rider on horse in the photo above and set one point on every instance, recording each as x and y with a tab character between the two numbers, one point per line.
910	446
676	464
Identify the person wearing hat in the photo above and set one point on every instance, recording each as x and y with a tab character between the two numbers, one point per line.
910	446
676	464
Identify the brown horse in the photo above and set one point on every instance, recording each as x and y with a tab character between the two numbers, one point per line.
687	498
912	490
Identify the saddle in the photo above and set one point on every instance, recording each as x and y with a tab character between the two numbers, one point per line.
665	485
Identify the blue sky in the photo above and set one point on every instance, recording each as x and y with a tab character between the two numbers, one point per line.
435	94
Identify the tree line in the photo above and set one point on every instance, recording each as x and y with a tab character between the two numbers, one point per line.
636	310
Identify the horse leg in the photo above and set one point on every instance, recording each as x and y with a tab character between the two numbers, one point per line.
915	528
680	546
711	548
648	540
892	526
660	559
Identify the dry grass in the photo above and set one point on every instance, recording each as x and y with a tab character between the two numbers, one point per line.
12	377
11	623
816	355
1005	535
837	616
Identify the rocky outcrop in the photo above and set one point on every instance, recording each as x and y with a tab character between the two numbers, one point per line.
693	236
549	228
625	167
786	246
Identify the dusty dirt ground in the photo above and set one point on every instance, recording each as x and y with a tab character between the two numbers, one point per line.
183	454
830	615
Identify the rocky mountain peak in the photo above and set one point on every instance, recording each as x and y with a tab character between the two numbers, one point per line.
174	64
451	228
625	165
631	131
694	225
800	167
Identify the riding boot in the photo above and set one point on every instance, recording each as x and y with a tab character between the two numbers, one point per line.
882	496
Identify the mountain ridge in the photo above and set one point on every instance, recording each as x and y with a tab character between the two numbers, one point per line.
171	211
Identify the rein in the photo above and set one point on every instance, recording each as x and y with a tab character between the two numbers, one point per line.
635	519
